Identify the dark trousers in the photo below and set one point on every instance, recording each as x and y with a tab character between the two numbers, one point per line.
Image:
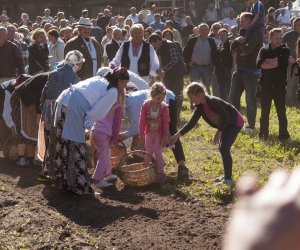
228	137
224	82
174	83
177	150
277	93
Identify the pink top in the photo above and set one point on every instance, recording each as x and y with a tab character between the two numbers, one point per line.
163	119
111	124
216	119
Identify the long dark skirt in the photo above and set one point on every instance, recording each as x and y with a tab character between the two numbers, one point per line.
71	167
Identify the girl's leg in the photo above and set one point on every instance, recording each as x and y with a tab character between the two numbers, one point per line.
149	141
227	139
158	154
102	143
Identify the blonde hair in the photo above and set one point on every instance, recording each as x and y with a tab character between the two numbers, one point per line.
158	89
196	88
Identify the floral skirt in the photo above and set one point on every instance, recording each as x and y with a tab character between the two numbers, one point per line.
71	167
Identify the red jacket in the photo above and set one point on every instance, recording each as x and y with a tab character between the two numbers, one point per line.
163	116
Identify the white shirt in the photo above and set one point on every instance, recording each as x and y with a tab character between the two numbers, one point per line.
283	19
134	19
93	53
6	106
154	61
94	90
56	52
229	22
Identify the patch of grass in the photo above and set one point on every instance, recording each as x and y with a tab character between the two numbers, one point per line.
249	154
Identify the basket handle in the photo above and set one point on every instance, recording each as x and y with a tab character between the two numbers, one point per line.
133	152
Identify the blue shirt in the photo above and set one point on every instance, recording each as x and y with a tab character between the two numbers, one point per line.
258	7
158	26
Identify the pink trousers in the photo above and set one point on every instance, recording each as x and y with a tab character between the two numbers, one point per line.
103	167
153	146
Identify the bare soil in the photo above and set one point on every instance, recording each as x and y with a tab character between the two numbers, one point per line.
36	215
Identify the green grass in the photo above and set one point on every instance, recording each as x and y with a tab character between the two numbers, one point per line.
249	154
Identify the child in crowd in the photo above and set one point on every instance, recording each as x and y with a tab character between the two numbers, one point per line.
105	132
258	21
218	114
154	127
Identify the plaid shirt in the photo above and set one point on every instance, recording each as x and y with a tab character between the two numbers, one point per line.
175	57
11	60
59	80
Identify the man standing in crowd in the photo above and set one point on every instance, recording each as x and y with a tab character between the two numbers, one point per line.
103	20
290	38
133	16
273	61
88	46
150	16
187	30
193	13
11	31
47	18
246	75
199	55
157	24
137	55
11	59
112	48
172	65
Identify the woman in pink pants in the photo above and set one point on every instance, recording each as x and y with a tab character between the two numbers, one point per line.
154	127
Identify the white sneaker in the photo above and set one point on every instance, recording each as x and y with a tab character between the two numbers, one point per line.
103	184
111	177
22	162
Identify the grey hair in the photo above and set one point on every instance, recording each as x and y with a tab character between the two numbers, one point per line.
137	27
3	30
115	30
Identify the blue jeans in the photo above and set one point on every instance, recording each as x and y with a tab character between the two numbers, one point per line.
241	81
201	73
228	137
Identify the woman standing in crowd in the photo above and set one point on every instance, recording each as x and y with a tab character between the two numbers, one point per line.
223	65
154	127
218	114
38	53
59	80
79	107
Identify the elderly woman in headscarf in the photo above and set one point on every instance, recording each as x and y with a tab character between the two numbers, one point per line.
59	80
78	108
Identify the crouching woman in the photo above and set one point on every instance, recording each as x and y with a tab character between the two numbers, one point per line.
218	114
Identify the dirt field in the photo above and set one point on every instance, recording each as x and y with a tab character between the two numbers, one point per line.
35	215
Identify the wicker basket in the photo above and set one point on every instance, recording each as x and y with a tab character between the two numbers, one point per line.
10	148
137	174
118	151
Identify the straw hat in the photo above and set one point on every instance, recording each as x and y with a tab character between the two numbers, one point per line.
84	22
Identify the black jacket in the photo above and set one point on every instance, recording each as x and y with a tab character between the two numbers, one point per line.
188	50
38	58
225	110
224	57
111	49
277	75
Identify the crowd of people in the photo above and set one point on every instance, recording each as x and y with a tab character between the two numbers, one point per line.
61	77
